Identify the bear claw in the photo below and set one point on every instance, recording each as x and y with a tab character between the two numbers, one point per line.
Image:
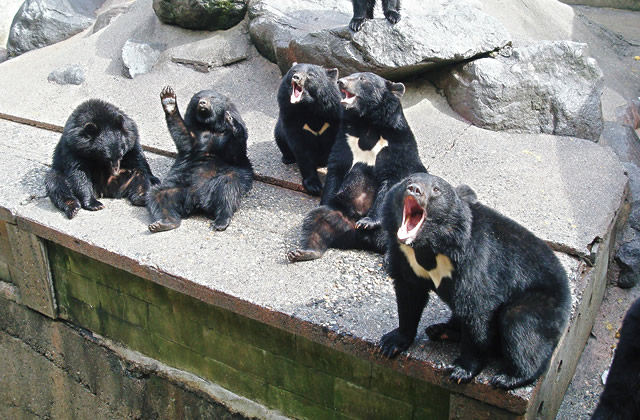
168	99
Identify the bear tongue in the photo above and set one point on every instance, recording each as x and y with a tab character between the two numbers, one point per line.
348	97
413	216
296	93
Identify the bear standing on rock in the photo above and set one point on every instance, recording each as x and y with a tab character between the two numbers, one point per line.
508	293
212	171
309	118
98	155
374	149
363	10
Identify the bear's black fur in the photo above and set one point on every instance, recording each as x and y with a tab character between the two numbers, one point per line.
309	118
620	399
508	293
374	149
212	171
363	10
98	155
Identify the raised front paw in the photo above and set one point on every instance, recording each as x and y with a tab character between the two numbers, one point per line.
168	100
94	205
312	185
392	16
367	223
393	343
356	24
463	371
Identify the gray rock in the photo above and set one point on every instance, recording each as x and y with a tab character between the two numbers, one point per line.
104	19
39	23
628	254
139	57
429	34
549	87
209	15
74	75
623	140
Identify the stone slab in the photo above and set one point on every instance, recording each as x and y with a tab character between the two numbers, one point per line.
344	300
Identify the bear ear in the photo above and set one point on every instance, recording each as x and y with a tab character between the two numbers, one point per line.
90	128
466	193
295	63
333	74
396	88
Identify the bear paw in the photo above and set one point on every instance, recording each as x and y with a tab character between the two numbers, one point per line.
356	24
94	205
288	160
313	186
504	381
393	343
163	226
221	223
367	223
441	332
463	371
392	16
168	100
72	208
303	255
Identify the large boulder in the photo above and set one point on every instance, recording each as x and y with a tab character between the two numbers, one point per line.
139	57
39	23
429	34
548	87
210	15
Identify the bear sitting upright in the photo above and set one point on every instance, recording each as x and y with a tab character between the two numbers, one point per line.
374	149
309	118
508	293
363	10
212	171
98	155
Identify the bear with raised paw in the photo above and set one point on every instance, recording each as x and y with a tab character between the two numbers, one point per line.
309	118
374	149
212	172
363	10
98	155
508	293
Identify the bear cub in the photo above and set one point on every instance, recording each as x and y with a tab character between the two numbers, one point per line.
374	149
363	10
620	399
309	118
211	172
508	293
98	155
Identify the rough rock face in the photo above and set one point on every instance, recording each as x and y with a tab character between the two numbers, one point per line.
139	57
209	15
316	31
39	23
74	75
105	18
549	87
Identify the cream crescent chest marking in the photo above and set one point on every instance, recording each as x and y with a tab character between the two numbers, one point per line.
365	156
318	133
443	268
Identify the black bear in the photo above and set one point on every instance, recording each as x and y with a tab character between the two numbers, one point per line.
620	399
212	171
309	118
98	155
508	293
374	149
363	10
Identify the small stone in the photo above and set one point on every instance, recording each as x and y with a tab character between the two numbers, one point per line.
139	57
74	75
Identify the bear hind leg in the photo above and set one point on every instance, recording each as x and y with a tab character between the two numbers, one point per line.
319	229
166	206
223	198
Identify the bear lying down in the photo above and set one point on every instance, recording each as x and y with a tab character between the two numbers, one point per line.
508	293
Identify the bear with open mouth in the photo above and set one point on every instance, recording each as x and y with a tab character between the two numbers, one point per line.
309	118
508	293
98	155
374	149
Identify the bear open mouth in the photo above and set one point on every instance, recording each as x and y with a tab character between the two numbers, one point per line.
348	97
296	92
413	216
